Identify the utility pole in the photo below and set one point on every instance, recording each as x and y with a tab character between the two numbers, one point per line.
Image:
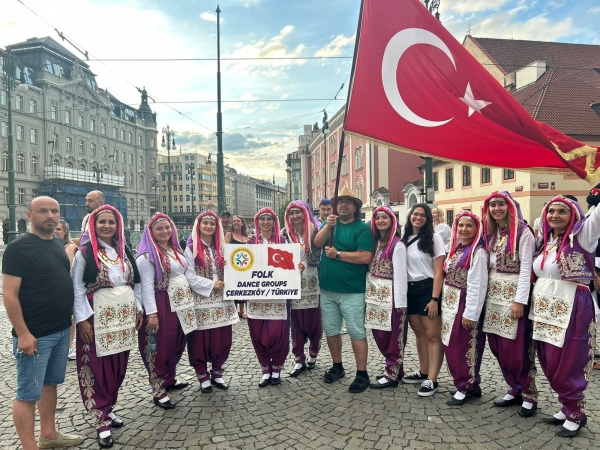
220	164
168	142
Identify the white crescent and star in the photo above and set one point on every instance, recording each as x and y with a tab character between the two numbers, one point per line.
275	260
398	44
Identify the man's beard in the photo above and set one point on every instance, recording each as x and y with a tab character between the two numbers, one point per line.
47	228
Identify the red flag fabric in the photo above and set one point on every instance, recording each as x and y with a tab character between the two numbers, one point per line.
281	259
415	88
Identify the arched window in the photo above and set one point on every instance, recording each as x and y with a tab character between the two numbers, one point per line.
142	181
4	161
34	165
20	163
55	163
359	187
333	170
345	183
82	167
69	165
345	165
358	156
130	180
332	145
318	179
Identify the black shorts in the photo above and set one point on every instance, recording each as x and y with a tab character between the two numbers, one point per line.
419	296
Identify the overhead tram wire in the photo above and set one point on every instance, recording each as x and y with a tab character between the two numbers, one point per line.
265	58
85	52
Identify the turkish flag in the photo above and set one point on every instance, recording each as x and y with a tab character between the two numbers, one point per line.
281	259
415	88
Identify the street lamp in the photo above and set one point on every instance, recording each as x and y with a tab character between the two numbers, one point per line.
168	142
154	186
9	83
325	131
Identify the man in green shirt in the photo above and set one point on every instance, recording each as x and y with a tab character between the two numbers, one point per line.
344	265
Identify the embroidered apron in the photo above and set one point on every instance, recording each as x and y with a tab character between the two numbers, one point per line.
267	309
182	302
114	320
379	302
309	289
502	290
450	300
551	308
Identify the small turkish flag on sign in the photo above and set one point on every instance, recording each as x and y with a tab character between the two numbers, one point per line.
281	259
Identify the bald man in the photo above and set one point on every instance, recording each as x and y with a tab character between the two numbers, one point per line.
93	200
38	296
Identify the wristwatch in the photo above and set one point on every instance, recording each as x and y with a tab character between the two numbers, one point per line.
435	299
338	256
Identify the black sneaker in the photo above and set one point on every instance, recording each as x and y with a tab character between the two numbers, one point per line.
414	378
428	388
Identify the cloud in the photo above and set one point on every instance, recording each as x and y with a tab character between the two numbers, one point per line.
471	6
539	28
337	46
209	17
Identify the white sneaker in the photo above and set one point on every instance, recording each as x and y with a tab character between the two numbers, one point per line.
72	354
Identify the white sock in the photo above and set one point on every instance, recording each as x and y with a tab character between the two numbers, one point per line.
527	405
560	416
219	380
459	395
164	399
571	425
312	360
275	375
383	380
298	366
112	416
508	397
104	434
266	376
206	383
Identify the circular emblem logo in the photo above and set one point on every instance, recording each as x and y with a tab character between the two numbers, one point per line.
242	259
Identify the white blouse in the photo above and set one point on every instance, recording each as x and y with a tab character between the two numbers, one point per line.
419	265
526	252
400	275
477	283
199	284
444	231
82	309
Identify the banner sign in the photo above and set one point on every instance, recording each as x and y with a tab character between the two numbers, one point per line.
262	272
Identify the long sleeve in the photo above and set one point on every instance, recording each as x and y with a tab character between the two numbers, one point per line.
137	293
81	307
200	285
526	251
400	276
590	233
477	281
147	275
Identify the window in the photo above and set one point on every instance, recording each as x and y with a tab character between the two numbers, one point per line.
359	187
345	165
69	144
19	102
20	133
332	144
181	209
35	193
140	140
68	117
122	135
130	180
5	161
174	198
3	98
104	152
164	198
141	162
164	209
131	158
509	174
4	129
21	196
92	124
114	132
93	150
33	135
181	198
466	176
129	137
486	175
69	165
151	142
358	156
20	163
80	121
333	170
54	112
450	216
435	181
122	157
102	128
34	165
81	147
449	178
32	106
142	204
187	198
82	167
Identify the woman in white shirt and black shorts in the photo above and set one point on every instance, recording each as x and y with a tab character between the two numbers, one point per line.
425	255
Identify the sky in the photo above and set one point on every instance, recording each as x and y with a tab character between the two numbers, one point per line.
267	102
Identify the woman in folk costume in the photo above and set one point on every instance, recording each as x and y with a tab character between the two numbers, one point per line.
562	311
168	304
511	245
463	298
386	295
212	339
301	227
107	310
269	320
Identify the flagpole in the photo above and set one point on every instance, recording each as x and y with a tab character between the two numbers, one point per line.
343	138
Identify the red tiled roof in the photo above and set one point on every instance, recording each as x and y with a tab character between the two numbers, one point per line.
562	96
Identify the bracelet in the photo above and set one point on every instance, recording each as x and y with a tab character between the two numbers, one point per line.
435	299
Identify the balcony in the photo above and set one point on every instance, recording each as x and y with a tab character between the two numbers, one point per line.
82	176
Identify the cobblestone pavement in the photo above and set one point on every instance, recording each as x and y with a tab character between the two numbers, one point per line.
304	412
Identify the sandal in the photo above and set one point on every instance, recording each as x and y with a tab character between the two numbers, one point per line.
333	375
359	385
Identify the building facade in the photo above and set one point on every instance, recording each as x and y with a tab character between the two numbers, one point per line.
71	137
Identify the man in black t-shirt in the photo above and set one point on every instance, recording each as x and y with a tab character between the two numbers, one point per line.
38	296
